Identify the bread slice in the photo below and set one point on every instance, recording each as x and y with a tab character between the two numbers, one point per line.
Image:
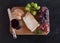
30	22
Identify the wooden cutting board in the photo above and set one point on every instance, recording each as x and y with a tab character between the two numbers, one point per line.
24	30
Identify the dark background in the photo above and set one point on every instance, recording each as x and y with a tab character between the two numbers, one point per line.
52	37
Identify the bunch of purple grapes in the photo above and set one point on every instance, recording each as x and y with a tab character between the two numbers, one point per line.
41	15
41	18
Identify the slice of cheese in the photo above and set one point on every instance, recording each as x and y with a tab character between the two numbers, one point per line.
30	21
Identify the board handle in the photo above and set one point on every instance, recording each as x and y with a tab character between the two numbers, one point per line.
9	14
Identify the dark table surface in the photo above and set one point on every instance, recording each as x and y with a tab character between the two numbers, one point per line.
52	37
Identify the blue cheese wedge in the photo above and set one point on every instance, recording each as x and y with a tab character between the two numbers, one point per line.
30	22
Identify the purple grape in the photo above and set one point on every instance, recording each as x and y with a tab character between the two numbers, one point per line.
38	12
43	20
41	15
45	16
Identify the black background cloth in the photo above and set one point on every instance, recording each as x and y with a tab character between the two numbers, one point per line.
52	37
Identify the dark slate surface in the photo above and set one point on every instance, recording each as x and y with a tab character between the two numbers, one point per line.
52	37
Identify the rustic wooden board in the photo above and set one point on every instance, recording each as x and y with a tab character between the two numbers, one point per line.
24	30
